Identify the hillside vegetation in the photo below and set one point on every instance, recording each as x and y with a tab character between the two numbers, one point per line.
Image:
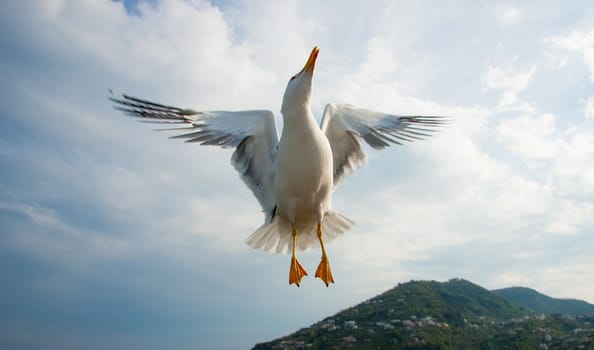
456	314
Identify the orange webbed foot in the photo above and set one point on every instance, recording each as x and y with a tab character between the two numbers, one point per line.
324	272
296	272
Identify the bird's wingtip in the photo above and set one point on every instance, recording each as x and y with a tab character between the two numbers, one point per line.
115	94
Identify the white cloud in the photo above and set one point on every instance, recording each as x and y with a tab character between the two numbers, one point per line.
570	217
506	79
554	61
563	153
529	136
573	168
568	279
39	215
580	41
589	107
565	281
508	15
380	61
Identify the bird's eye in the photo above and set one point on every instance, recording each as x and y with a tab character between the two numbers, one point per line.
293	77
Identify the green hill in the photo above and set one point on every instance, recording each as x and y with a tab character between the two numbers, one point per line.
541	303
456	314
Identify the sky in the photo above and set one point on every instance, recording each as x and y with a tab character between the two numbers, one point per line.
113	236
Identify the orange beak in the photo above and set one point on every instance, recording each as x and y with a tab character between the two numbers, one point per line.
311	61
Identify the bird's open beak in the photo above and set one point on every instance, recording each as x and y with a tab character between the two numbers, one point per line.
311	61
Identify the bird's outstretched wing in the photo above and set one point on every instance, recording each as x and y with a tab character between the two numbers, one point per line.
345	126
252	133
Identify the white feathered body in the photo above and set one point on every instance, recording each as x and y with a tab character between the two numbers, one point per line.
303	188
303	182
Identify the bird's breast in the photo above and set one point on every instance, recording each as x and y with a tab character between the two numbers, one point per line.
304	167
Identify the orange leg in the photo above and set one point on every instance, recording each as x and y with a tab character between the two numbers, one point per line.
296	272
324	272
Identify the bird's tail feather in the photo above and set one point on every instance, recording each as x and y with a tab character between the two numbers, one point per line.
276	237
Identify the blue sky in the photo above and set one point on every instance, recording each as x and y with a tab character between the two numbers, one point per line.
113	236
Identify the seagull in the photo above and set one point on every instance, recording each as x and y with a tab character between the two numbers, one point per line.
293	177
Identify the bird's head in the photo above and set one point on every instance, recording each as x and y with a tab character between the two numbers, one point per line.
298	91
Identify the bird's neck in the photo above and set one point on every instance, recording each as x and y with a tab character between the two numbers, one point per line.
298	118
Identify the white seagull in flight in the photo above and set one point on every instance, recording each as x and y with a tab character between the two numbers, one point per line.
293	178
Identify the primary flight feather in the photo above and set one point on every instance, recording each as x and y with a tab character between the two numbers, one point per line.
293	177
